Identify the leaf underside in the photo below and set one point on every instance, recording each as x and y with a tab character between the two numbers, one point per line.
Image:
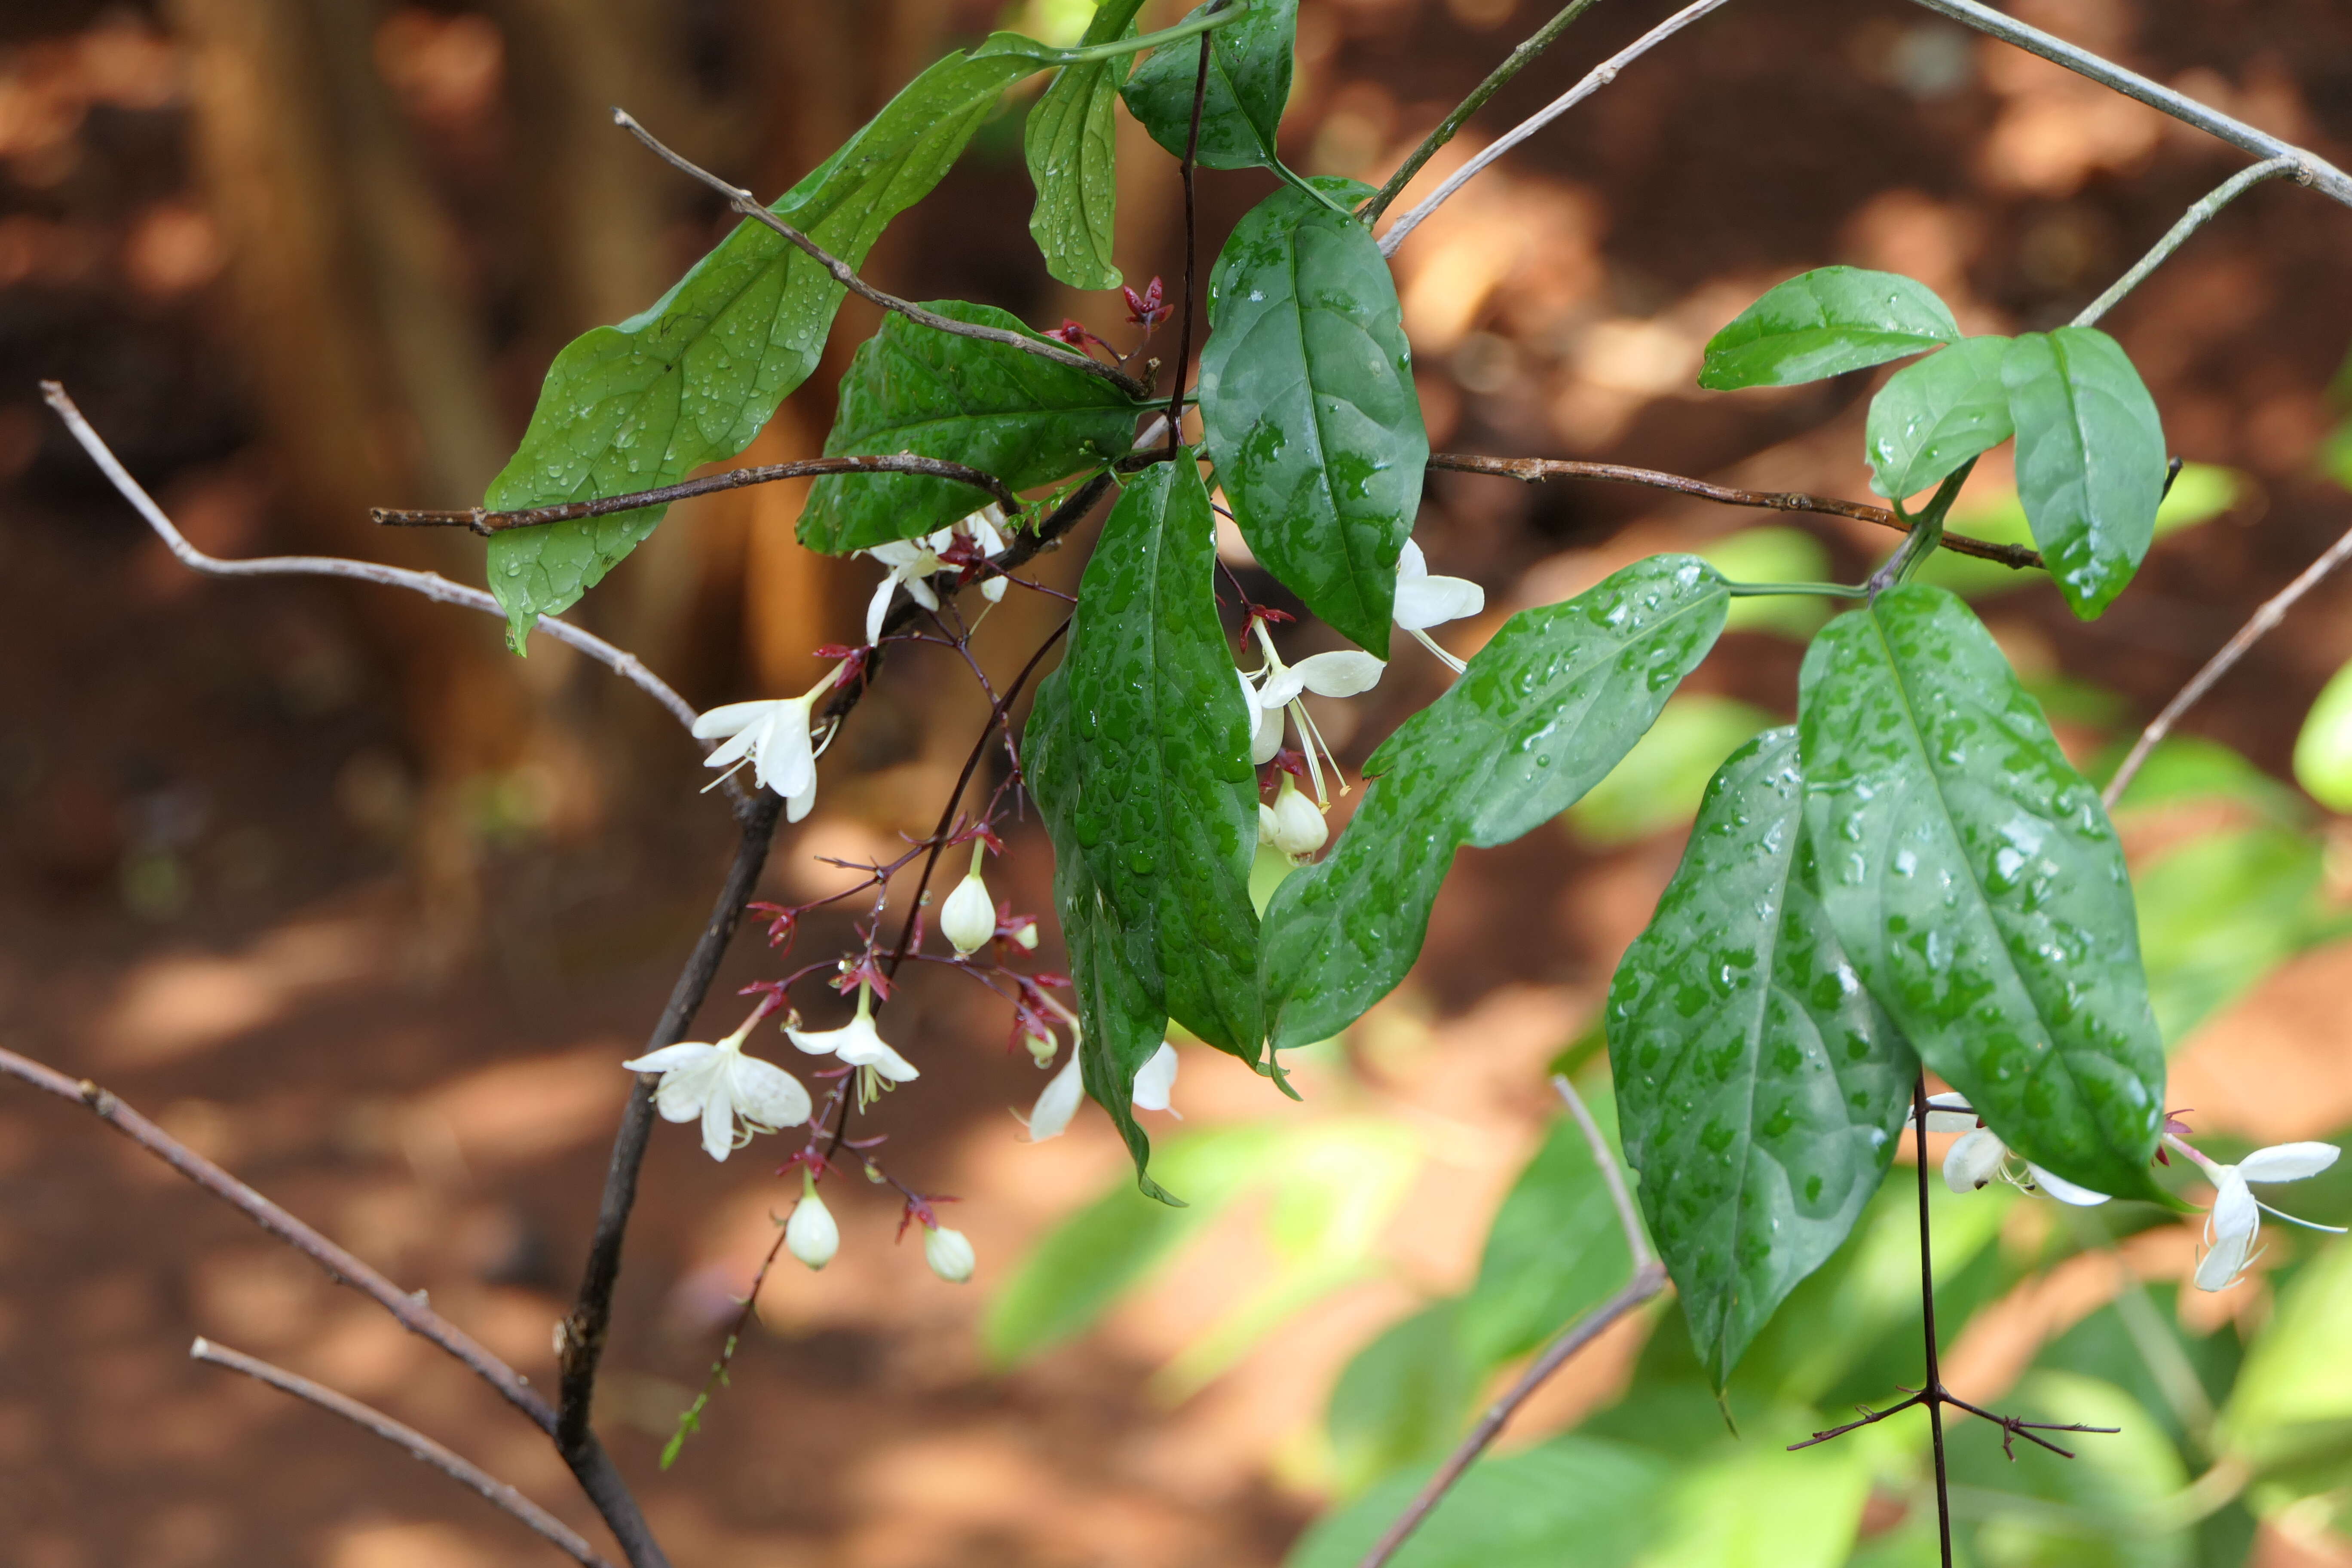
1978	885
1761	1091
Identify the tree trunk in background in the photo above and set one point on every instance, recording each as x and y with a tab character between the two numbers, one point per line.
351	314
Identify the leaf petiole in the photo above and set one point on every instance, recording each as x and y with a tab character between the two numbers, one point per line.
1926	532
1190	28
1824	590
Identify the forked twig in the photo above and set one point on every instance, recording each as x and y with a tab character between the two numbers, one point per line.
1649	1278
1600	76
751	207
423	1449
2258	626
2195	219
1535	470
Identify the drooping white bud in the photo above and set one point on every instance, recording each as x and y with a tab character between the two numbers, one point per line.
810	1233
1298	828
1973	1160
1267	828
967	919
949	1254
1155	1080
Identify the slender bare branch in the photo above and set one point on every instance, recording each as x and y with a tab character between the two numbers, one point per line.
482	521
1513	63
1534	470
1649	1278
1600	76
432	585
2258	626
751	207
496	1492
2322	174
2195	219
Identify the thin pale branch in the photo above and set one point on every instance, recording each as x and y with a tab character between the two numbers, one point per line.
486	522
1534	470
1649	1278
2321	174
1513	63
1600	76
2195	219
751	207
423	1449
432	585
2258	626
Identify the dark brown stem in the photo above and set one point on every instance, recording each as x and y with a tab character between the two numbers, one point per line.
1869	1418
584	1328
1534	470
1191	248
420	1447
486	522
751	206
1934	1387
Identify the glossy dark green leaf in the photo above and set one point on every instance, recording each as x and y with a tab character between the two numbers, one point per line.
1249	84
1978	885
1545	711
1761	1089
990	406
693	378
2089	458
1574	1500
1932	416
1071	144
1823	322
1555	1250
1308	404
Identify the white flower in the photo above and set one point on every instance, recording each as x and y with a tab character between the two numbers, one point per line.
810	1233
773	736
1979	1156
1344	672
968	918
1266	726
1293	824
2237	1218
1155	1079
912	562
1423	601
860	1045
719	1084
949	1254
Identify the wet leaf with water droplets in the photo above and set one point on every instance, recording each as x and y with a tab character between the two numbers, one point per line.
1543	713
990	406
2090	459
1823	322
1978	885
1071	144
1932	416
1309	407
1761	1091
1248	87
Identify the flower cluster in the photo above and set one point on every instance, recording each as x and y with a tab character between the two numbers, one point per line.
912	562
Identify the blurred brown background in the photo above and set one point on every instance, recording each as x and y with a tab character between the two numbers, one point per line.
371	912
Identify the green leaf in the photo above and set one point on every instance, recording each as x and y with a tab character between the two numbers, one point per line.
1555	1250
693	378
1071	142
1823	322
1659	784
2201	492
1088	1262
2190	769
1573	1499
1544	712
1308	408
1402	1398
2221	912
2089	458
913	388
1765	1506
2101	1509
2322	747
1249	84
1932	416
1760	1088
1978	888
2293	1400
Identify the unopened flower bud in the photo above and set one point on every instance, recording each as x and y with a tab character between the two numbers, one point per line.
949	1254
1042	1049
1300	829
1266	823
1025	936
810	1233
967	919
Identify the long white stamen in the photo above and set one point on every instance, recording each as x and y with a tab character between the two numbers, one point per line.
2307	1224
1451	663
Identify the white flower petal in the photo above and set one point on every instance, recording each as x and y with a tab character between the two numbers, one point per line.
682	1095
1156	1079
1411	564
1051	1115
1973	1160
2287	1161
1950	1120
787	762
884	1060
1282	684
1342	672
798	806
920	588
669	1059
765	1093
717	1126
728	720
2236	1216
877	609
2065	1191
2224	1261
1432	601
